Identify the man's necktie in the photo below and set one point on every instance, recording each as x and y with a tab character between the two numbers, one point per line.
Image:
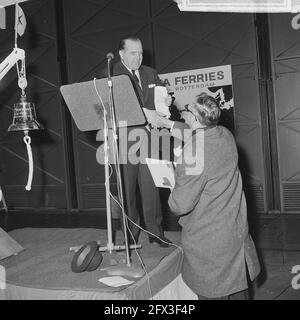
135	77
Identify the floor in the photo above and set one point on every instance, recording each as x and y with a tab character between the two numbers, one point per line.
278	243
277	239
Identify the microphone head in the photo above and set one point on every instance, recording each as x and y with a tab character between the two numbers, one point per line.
110	55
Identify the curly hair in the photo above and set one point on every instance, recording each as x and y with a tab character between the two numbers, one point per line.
208	109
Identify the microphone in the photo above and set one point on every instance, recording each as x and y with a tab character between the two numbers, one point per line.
110	56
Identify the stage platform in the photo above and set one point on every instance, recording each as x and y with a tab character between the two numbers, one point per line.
43	269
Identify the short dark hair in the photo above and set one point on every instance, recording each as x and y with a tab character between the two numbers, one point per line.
130	37
208	109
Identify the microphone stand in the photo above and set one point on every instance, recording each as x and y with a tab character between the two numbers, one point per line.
127	269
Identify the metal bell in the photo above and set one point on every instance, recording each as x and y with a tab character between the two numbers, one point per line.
24	117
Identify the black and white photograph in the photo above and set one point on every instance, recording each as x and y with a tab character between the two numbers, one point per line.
150	152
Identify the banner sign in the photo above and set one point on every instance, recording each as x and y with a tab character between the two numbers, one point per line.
215	81
239	5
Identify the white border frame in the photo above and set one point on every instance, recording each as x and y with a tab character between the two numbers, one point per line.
267	6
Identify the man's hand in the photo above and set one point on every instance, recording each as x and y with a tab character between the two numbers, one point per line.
190	119
154	118
167	183
168	100
167	123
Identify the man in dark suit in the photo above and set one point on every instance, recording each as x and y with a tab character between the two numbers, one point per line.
144	80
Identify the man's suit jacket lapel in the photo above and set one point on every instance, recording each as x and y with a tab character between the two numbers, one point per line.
119	69
144	82
138	90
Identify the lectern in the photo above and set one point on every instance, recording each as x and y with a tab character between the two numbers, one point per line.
107	104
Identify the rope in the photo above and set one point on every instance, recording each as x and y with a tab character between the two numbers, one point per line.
16	22
27	141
